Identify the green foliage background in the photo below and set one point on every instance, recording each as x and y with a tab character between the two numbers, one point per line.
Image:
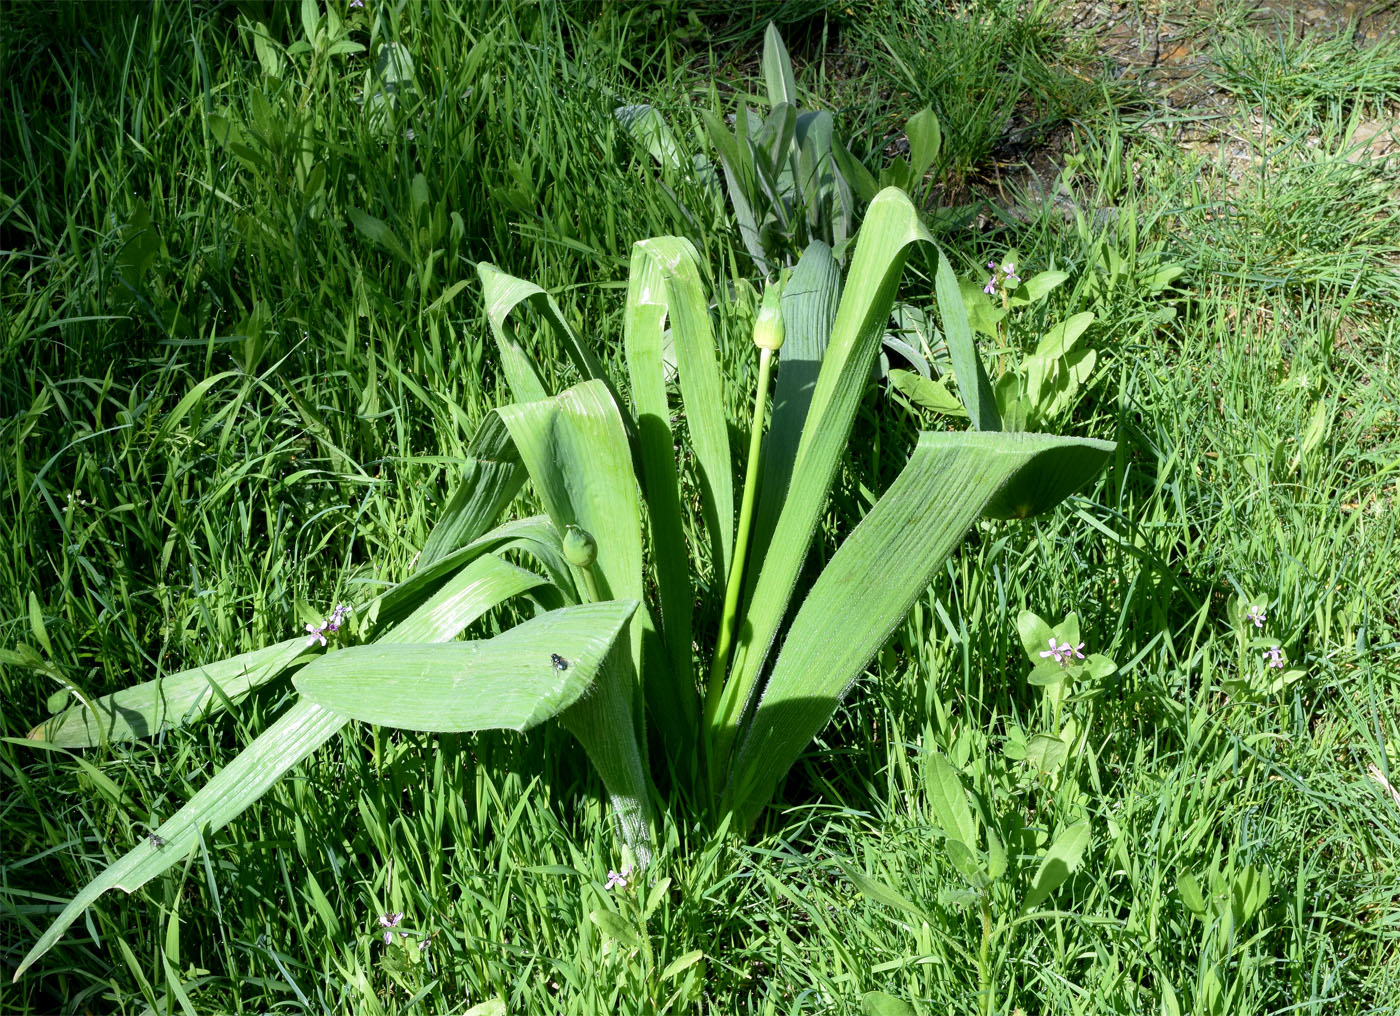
240	351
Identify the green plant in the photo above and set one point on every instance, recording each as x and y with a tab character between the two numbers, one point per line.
591	657
789	177
1045	383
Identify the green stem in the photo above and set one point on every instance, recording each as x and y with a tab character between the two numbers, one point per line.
719	706
984	973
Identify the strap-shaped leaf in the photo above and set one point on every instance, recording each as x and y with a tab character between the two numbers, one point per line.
777	68
492	476
809	309
665	284
973	387
147	708
891	227
515	681
884	565
576	452
296	734
740	177
503	294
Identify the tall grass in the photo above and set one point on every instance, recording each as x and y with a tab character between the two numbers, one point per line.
155	522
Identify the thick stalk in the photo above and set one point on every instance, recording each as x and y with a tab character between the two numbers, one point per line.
719	706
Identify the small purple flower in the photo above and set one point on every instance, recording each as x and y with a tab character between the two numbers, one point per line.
390	921
330	624
1274	658
1058	651
991	287
618	879
1257	615
1075	650
1010	269
356	3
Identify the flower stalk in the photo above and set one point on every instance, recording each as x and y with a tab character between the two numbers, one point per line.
768	333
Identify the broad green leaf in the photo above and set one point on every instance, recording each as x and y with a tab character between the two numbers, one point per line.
1034	634
1190	891
967	862
1037	287
926	393
1046	673
1046	753
878	1003
854	172
809	310
682	963
379	231
491	1007
491	477
648	128
925	141
891	226
143	710
575	450
1056	471
983	314
296	734
777	68
1060	339
1060	860
948	799
615	926
503	294
515	681
973	387
885	564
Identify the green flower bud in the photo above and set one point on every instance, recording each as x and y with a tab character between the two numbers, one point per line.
579	547
768	330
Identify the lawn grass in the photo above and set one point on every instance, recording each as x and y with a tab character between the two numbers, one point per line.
179	211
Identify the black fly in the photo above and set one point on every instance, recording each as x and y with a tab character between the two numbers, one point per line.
559	662
156	841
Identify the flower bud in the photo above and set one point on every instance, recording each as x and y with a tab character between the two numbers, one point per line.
579	547
768	328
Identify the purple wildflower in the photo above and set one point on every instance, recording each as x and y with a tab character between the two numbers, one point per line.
1274	657
991	287
1257	615
618	879
330	624
388	921
1058	651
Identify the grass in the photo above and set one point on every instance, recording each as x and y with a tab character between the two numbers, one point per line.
173	213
